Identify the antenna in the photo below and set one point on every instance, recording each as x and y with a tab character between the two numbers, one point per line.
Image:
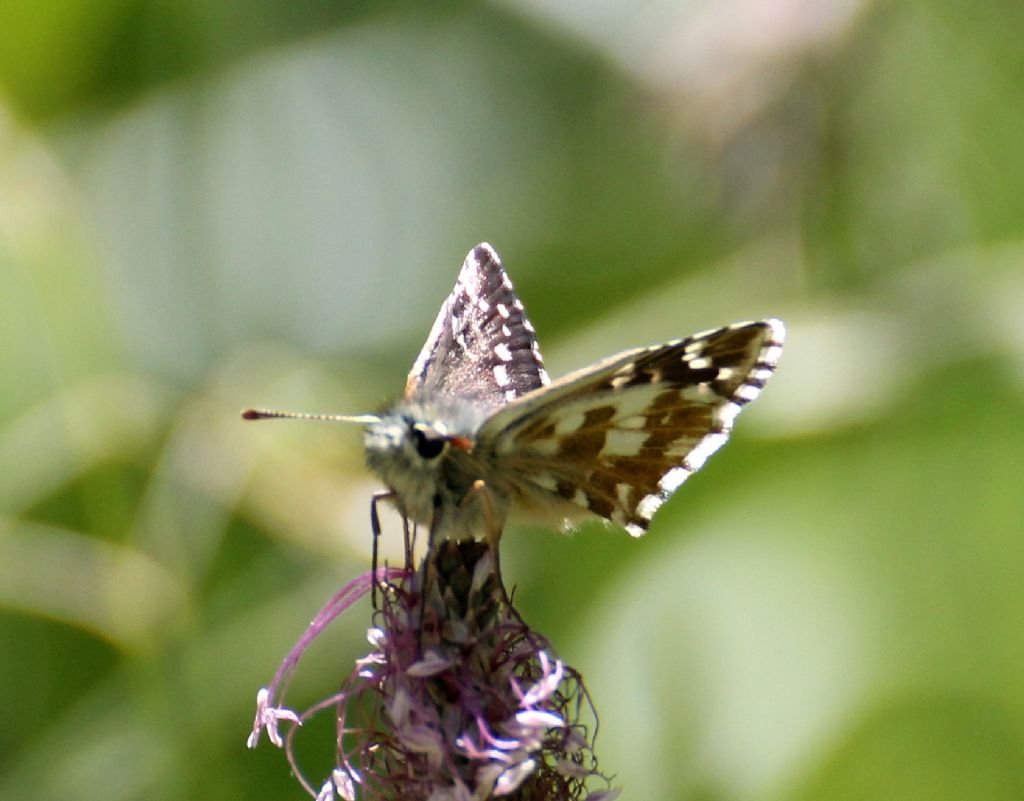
270	414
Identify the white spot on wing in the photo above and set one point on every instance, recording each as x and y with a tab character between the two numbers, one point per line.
542	447
581	499
725	415
502	310
501	375
635	403
546	480
502	352
537	358
707	446
778	330
648	506
771	354
747	392
569	423
673	479
623	443
700	393
468	279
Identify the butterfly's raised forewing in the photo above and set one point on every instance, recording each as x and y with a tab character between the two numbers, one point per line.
618	438
482	347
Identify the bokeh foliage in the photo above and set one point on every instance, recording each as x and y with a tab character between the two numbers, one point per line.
207	206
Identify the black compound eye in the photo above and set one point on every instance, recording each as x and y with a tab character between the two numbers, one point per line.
429	447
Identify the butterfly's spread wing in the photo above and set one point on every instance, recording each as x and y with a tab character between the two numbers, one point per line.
481	346
620	437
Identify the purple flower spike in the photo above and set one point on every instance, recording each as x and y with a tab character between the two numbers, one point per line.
458	700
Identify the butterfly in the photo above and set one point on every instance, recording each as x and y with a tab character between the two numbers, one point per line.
481	430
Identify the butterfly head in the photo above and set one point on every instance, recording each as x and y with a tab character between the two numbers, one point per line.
424	452
412	442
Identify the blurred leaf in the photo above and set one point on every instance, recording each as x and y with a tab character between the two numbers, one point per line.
83	53
927	748
919	154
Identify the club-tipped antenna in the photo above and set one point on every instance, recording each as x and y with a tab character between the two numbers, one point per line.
271	414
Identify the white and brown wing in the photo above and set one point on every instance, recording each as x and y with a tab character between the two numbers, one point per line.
482	346
618	438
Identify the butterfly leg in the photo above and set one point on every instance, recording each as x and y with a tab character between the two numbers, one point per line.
377	497
493	525
428	560
408	541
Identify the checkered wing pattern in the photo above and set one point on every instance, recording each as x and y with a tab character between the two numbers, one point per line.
482	346
617	439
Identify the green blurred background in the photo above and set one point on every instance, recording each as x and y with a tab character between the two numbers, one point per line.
205	206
